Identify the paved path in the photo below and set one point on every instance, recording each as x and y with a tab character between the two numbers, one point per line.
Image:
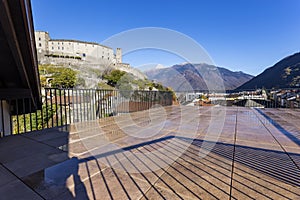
165	153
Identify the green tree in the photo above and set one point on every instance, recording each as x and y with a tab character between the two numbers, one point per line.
64	78
104	86
113	77
125	84
80	82
43	81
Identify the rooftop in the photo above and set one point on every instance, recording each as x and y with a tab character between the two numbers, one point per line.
175	152
71	40
78	41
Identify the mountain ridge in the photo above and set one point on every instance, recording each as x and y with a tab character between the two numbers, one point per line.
283	74
187	76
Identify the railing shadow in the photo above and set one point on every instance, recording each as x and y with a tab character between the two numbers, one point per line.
275	164
272	163
290	135
86	172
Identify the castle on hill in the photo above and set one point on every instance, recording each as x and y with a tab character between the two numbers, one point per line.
72	52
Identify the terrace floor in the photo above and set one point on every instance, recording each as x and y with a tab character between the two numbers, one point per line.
164	153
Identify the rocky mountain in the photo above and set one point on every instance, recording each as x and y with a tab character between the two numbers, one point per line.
185	77
284	74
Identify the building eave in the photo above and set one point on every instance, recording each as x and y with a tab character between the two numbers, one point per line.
20	64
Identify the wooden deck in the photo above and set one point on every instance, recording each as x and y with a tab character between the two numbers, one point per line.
163	153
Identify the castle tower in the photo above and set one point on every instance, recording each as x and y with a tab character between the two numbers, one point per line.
41	40
119	55
42	44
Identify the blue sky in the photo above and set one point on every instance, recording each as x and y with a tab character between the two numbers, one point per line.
241	35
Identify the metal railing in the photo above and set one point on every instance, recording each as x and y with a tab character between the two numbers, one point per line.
65	106
264	98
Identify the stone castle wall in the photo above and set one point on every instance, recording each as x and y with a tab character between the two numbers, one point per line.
85	51
79	53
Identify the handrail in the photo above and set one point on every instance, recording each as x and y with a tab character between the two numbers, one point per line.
66	106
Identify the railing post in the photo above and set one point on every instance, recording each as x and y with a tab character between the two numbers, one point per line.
2	119
78	104
56	114
24	117
51	105
30	119
69	106
81	93
46	100
17	116
65	105
11	130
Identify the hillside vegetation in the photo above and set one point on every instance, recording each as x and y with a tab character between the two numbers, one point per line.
71	77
